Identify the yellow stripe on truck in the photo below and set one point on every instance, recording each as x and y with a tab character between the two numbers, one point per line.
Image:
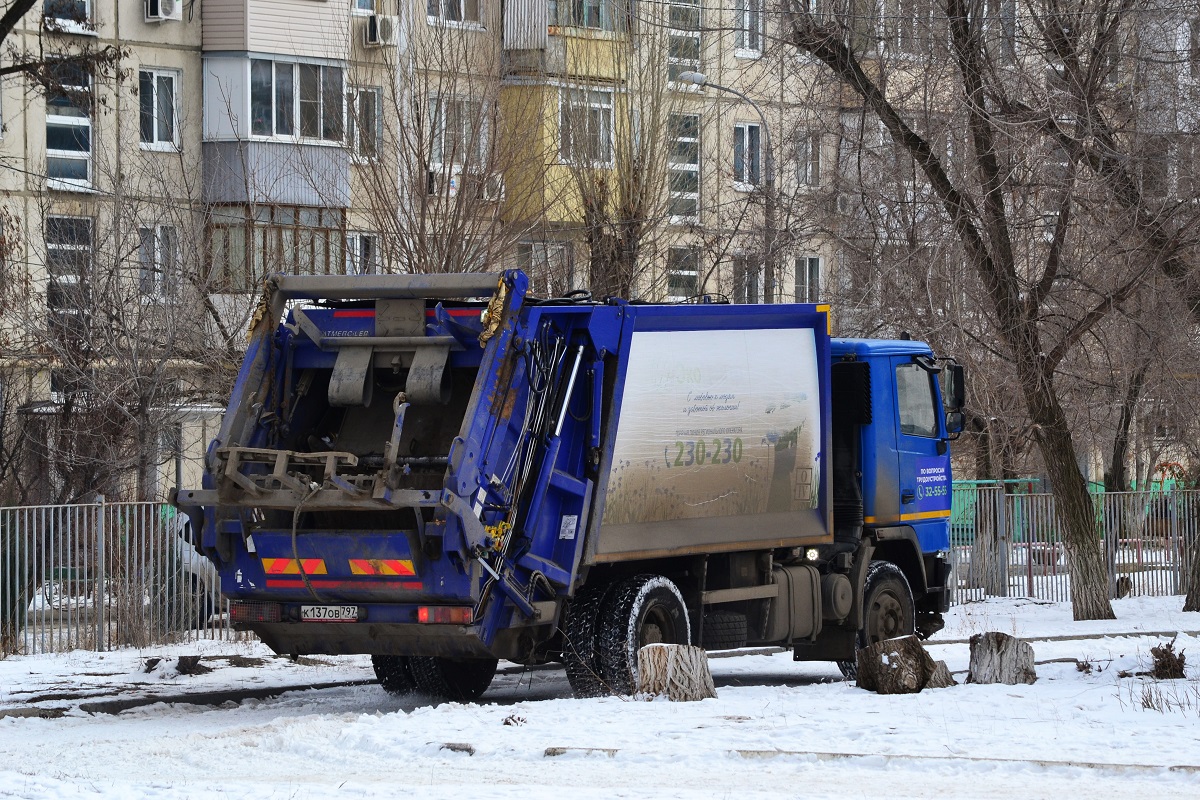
916	515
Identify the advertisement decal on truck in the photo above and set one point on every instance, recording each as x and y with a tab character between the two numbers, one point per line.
716	423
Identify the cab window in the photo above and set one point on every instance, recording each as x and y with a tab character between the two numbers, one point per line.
914	393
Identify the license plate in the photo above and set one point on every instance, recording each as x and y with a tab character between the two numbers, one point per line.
329	613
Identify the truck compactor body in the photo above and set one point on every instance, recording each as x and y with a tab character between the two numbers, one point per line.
443	471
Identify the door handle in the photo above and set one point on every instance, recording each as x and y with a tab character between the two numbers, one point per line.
907	496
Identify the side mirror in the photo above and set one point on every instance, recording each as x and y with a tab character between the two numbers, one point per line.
956	387
955	422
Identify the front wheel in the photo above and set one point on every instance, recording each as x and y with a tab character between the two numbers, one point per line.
888	609
642	610
459	679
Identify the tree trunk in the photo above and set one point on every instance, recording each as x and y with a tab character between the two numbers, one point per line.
1116	478
1077	514
678	671
900	666
1000	658
1192	601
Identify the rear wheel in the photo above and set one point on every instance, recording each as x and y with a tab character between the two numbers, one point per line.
458	679
888	609
724	630
642	610
394	674
579	654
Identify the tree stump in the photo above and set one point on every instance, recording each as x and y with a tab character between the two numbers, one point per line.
900	666
1000	658
678	671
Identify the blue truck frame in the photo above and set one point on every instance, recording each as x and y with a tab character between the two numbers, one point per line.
426	461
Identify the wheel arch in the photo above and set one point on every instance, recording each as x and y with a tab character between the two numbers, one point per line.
900	546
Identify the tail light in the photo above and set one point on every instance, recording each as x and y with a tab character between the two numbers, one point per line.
445	615
254	611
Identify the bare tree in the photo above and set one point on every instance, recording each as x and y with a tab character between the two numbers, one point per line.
439	147
1046	164
619	135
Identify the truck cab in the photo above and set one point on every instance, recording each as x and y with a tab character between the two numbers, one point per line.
902	437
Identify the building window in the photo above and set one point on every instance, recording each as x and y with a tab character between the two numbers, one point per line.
585	134
1193	54
454	11
1187	167
459	131
683	53
68	267
747	154
747	281
246	243
69	127
808	160
808	279
363	6
282	93
158	261
748	26
683	273
684	165
362	254
596	14
550	267
69	15
159	115
366	123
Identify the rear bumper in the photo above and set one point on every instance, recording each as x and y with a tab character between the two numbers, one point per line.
316	638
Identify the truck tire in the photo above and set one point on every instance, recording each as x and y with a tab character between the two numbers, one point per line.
724	630
579	642
888	609
394	674
459	679
642	610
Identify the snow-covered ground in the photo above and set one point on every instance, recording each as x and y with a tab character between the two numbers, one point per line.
778	728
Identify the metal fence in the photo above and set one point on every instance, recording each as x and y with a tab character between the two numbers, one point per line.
107	575
100	576
1011	544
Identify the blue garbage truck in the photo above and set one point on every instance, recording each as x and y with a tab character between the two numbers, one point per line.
446	470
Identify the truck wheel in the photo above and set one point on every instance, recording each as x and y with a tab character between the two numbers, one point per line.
394	674
888	609
459	679
724	630
579	642
642	610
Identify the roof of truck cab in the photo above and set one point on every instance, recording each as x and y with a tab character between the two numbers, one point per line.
879	347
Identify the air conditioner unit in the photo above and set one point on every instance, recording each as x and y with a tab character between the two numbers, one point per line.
381	31
164	10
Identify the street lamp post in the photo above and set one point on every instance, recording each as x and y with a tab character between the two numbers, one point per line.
769	211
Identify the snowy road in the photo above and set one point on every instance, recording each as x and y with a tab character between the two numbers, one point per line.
777	728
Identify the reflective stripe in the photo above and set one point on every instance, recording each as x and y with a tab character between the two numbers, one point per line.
942	514
381	566
351	586
289	566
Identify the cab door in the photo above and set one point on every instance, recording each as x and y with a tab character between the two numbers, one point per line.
923	453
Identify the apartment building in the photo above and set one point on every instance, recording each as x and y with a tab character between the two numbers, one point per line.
146	195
